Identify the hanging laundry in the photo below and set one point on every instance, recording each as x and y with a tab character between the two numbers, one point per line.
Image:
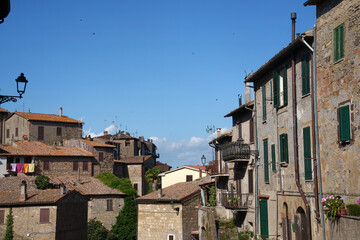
31	167
19	167
13	167
26	167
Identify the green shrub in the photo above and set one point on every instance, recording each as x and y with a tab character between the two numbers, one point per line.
354	209
122	184
246	235
9	233
43	182
212	196
96	231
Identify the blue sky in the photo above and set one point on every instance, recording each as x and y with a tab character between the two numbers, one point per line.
160	69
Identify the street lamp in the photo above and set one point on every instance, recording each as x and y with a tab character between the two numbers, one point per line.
21	83
203	160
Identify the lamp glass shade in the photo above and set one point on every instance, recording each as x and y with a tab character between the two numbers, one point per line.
203	159
21	84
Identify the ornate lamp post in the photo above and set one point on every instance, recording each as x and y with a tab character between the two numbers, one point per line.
21	83
203	160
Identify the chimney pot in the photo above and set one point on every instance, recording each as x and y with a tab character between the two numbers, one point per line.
200	173
61	112
247	92
23	191
63	189
160	192
218	131
240	99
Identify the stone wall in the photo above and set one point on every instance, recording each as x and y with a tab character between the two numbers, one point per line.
135	172
345	227
190	216
97	209
16	122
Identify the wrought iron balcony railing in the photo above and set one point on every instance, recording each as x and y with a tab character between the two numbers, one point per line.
235	151
235	201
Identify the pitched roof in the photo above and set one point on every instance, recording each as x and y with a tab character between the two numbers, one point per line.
241	108
13	183
35	148
97	144
3	110
87	186
48	196
197	167
133	159
191	167
313	2
46	117
177	192
163	167
224	136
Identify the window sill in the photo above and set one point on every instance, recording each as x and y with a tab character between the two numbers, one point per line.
309	180
306	95
264	121
339	60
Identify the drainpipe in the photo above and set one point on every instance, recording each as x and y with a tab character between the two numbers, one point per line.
295	139
256	170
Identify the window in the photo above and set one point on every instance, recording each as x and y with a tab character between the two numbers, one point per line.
284	148
46	165
136	186
280	87
339	43
2	216
75	166
171	237
109	205
7	133
266	161
252	130
85	166
16	132
273	159
305	74
344	124
58	131
40	133
251	181
239	129
189	178
101	156
127	143
307	153
44	215
264	102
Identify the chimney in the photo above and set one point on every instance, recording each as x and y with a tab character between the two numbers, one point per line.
127	134
23	191
247	93
63	189
240	99
218	132
293	18
106	132
160	192
60	112
200	173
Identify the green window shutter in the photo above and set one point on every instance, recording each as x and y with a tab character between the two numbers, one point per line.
266	161
286	152
284	148
341	41
273	160
284	70
264	228
307	153
344	118
281	149
264	102
305	73
336	44
276	89
271	93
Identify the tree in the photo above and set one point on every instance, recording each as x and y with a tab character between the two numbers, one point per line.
9	234
43	182
96	231
152	177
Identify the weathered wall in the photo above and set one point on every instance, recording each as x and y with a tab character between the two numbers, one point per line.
27	221
345	227
190	216
135	176
16	122
207	226
157	221
97	209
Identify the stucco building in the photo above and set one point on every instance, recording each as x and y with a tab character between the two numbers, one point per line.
185	173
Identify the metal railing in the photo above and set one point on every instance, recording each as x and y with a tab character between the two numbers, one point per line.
235	200
235	150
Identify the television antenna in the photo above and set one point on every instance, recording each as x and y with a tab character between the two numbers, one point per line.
210	129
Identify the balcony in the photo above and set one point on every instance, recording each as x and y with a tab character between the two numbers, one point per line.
235	151
235	201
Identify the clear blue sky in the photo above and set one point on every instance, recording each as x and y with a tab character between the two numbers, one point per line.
165	69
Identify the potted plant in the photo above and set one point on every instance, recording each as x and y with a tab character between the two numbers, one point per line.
334	206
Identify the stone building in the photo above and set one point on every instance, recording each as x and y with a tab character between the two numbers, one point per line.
104	203
169	213
338	103
103	153
37	158
3	115
44	214
285	135
185	173
47	128
163	167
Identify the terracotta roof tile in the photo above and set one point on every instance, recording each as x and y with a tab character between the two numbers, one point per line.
97	144
49	196
196	167
13	183
163	167
133	159
3	110
46	117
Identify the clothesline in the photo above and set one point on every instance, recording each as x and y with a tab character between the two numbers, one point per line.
23	167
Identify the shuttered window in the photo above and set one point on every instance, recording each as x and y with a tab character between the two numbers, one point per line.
344	123
305	74
339	43
171	237
7	133
16	132
264	225
40	133
136	186
266	161
101	156
46	165
273	160
252	130
264	102
307	153
284	89
58	131
109	205
251	181
75	165
2	216
44	215
280	87
284	148
85	166
189	178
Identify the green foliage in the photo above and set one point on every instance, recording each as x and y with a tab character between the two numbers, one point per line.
43	182
354	209
96	231
152	177
246	235
212	196
126	222
9	234
331	205
122	184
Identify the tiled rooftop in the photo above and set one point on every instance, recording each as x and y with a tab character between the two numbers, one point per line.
46	117
13	183
97	144
3	110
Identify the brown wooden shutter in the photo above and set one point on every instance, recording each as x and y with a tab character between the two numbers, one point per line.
46	165
85	166
251	180
58	131
75	166
109	205
2	216
40	133
189	178
44	215
252	130
101	156
7	133
16	132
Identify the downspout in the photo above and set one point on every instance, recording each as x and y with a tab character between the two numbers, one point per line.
295	139
256	170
